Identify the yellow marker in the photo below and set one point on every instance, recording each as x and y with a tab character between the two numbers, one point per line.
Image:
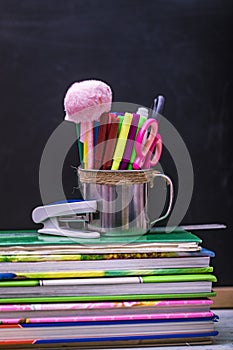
122	140
85	151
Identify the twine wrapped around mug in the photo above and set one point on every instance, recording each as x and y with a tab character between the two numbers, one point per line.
122	197
117	177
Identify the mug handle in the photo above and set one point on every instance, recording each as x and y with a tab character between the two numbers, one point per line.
171	194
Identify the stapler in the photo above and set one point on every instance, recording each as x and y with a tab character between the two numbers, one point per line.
66	218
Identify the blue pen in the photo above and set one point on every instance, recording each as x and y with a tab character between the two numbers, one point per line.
96	131
7	276
158	106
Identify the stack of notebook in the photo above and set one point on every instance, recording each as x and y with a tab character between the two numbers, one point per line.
111	291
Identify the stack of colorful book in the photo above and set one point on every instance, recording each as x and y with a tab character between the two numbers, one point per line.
104	292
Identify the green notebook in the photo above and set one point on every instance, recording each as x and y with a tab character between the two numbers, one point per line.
59	299
31	237
143	279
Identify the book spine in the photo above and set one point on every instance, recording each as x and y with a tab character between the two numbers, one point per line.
106	318
104	305
86	298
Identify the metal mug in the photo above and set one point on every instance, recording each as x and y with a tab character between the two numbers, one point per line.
122	200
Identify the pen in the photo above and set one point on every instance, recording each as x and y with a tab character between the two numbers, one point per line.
96	131
110	142
84	103
130	142
90	145
102	135
80	145
121	118
83	139
158	106
7	276
133	155
121	142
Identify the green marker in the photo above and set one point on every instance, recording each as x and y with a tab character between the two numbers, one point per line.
80	145
22	283
121	117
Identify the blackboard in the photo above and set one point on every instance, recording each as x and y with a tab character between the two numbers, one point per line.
181	49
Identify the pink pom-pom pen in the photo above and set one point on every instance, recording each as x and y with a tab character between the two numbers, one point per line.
84	103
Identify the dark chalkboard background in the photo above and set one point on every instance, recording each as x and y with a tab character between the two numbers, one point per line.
141	48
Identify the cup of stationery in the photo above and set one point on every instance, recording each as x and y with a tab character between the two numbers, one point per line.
121	200
115	180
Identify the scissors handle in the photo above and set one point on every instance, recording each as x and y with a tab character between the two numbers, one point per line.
143	149
157	146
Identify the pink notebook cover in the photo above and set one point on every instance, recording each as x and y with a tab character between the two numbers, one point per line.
101	305
186	315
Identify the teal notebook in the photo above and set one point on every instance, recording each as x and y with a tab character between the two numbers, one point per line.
31	237
22	276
